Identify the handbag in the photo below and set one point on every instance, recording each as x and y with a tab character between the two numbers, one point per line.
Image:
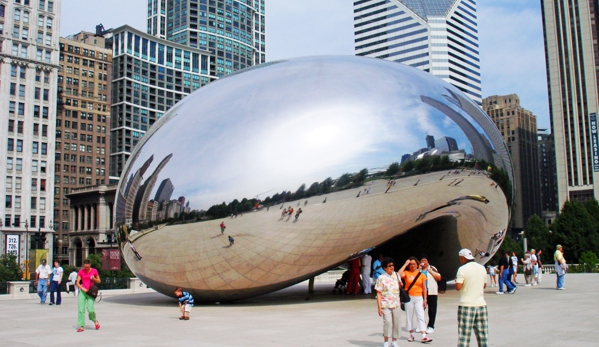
404	295
92	292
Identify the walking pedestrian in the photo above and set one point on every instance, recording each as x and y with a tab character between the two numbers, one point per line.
72	282
86	278
432	290
415	284
222	228
387	301
540	263
492	271
504	273
535	267
560	266
527	266
42	280
366	263
55	283
514	269
471	281
354	276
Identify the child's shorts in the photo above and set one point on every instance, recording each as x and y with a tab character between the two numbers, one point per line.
187	308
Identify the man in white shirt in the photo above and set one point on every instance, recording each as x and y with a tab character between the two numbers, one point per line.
42	280
365	270
55	283
471	281
71	282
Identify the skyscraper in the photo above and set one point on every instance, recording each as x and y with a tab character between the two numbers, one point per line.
29	64
232	30
82	125
518	127
572	57
437	36
150	75
446	143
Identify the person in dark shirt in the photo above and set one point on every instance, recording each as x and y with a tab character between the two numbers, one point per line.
504	273
185	303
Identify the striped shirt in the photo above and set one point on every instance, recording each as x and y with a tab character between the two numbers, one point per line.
186	298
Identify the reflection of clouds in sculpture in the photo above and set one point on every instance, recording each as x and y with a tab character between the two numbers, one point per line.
245	138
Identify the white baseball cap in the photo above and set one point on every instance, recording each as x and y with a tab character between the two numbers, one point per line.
465	252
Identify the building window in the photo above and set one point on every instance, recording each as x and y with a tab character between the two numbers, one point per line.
8	201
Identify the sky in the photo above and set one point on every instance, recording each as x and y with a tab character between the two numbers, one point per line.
510	38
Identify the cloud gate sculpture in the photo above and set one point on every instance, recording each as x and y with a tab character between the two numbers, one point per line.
373	153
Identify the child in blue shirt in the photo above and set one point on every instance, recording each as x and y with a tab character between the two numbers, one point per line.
185	303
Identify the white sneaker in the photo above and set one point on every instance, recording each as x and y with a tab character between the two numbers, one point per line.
430	330
562	288
386	344
394	344
499	293
527	285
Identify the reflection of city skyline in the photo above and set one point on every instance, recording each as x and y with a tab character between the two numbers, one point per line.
380	131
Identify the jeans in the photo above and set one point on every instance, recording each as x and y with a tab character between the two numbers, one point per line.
55	287
504	279
560	281
42	289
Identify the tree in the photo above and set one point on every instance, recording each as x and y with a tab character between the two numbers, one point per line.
9	268
360	177
408	166
537	234
301	191
393	169
314	189
589	260
326	185
343	181
575	229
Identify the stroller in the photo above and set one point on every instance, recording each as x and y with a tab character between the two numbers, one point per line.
341	284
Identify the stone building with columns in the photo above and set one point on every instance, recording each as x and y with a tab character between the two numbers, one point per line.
91	222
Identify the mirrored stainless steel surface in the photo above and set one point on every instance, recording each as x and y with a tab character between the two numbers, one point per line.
298	134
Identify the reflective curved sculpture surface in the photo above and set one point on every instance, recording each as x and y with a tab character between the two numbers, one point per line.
315	123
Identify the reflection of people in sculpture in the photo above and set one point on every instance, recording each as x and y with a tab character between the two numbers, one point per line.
298	213
283	213
222	228
231	240
135	251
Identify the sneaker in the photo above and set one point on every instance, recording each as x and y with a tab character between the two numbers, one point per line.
394	344
528	285
426	339
51	304
513	290
411	338
386	344
499	293
562	288
430	330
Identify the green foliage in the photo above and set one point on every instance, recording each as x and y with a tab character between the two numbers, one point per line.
393	169
537	235
9	268
576	229
509	245
590	260
96	261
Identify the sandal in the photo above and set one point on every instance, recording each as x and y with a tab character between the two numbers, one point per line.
80	329
411	338
97	326
426	339
182	318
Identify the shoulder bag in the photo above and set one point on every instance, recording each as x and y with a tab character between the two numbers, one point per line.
404	295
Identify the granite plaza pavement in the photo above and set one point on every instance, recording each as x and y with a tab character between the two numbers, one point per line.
540	316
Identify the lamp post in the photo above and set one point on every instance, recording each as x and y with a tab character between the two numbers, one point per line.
26	261
524	241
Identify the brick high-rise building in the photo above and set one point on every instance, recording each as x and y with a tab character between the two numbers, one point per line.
518	127
82	130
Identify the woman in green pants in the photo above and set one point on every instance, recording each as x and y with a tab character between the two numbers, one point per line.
84	282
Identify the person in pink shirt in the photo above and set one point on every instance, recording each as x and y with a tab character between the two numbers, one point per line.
86	278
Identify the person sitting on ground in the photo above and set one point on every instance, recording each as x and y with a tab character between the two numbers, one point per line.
185	303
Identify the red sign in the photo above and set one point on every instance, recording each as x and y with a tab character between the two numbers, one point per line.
111	259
